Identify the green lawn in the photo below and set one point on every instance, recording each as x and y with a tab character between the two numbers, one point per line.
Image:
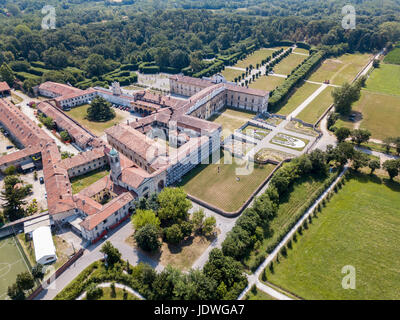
258	295
222	189
317	107
79	114
291	203
385	79
380	113
254	58
298	97
289	63
301	50
11	264
341	69
231	74
359	227
393	56
231	120
119	295
268	83
84	181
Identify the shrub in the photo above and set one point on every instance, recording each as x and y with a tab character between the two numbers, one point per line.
94	292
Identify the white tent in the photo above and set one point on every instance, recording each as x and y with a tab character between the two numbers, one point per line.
45	252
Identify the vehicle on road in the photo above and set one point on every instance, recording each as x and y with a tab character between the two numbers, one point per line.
41	180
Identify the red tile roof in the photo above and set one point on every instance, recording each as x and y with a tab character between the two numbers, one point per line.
4	87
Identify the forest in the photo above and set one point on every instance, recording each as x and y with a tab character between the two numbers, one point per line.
95	42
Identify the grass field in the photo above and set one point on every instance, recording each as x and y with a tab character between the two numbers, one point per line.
289	63
393	56
359	227
267	83
341	69
381	114
231	120
298	97
301	50
231	74
84	181
317	107
385	79
222	189
258	295
11	264
254	58
291	203
79	114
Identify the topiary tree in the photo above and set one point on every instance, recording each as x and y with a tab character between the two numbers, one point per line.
147	238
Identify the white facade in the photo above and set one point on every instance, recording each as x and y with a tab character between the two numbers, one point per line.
45	251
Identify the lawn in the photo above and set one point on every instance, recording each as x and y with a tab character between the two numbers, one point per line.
268	83
289	63
298	97
301	50
223	189
258	295
11	264
359	227
231	74
290	206
231	120
380	113
341	69
79	114
255	132
317	107
84	181
385	79
254	58
119	295
393	56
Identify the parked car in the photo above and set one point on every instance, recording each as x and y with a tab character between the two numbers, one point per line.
41	180
9	147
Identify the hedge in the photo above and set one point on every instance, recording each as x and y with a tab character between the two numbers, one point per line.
214	68
149	69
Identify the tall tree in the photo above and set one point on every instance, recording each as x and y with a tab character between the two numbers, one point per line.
174	205
344	97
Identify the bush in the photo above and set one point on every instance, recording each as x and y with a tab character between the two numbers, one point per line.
173	234
94	292
147	238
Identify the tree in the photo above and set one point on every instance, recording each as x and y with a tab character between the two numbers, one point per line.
360	160
37	271
143	217
387	142
147	238
112	254
197	219
15	292
174	205
209	225
25	281
65	136
179	59
13	195
10	171
392	168
376	63
264	207
344	97
173	234
94	292
342	134
7	75
360	136
100	110
186	228
374	165
96	65
318	161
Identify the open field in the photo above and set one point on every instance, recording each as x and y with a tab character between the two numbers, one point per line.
301	50
222	189
231	120
380	113
393	56
289	63
341	69
84	181
359	227
254	58
258	295
297	98
290	204
317	107
268	83
385	79
79	114
231	74
11	264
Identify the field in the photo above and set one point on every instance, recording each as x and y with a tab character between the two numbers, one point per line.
300	50
298	97
385	79
341	69
79	114
359	227
289	63
258	295
291	203
267	83
231	120
317	107
11	264
222	189
393	56
254	58
381	114
84	181
231	74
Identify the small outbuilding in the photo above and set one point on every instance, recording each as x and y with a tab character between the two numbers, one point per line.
5	89
45	251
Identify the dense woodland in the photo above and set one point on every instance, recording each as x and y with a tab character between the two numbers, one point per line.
101	41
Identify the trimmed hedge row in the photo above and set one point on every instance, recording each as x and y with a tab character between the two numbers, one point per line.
216	67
